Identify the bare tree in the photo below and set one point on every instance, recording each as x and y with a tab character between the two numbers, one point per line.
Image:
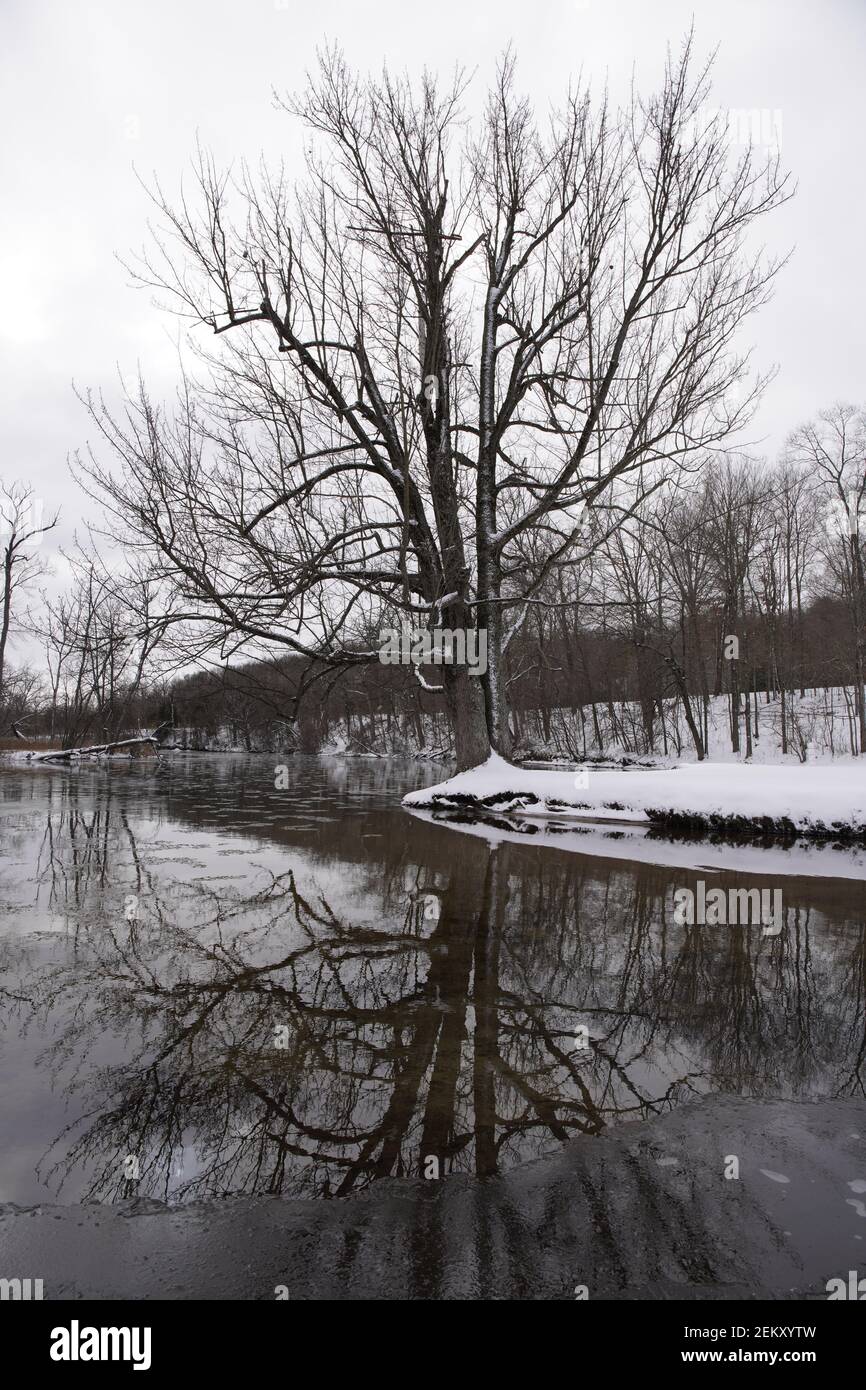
833	449
101	638
21	529
735	501
466	341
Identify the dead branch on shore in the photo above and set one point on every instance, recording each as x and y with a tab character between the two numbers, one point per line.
64	755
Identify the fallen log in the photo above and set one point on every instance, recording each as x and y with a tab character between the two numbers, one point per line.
64	755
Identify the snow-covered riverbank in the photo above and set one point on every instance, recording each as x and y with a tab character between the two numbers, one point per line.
821	801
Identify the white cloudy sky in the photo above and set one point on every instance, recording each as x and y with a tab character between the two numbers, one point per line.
90	89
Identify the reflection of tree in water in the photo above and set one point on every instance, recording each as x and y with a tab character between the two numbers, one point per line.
446	1033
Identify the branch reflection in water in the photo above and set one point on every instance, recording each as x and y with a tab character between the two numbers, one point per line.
380	993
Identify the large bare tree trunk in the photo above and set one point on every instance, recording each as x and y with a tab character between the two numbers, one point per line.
464	701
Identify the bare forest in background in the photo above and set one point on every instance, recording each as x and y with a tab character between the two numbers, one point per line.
728	606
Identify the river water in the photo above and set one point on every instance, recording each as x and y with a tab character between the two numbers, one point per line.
213	987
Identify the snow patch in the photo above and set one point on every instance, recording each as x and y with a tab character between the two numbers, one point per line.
813	800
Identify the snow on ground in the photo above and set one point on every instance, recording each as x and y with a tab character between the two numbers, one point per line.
821	725
810	797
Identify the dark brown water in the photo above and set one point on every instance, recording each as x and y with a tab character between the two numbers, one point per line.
210	986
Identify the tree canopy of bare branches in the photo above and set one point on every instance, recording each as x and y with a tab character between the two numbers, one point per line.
434	354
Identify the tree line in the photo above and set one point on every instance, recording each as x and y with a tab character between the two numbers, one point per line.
745	581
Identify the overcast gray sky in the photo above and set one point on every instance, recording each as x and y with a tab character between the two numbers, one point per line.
91	88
